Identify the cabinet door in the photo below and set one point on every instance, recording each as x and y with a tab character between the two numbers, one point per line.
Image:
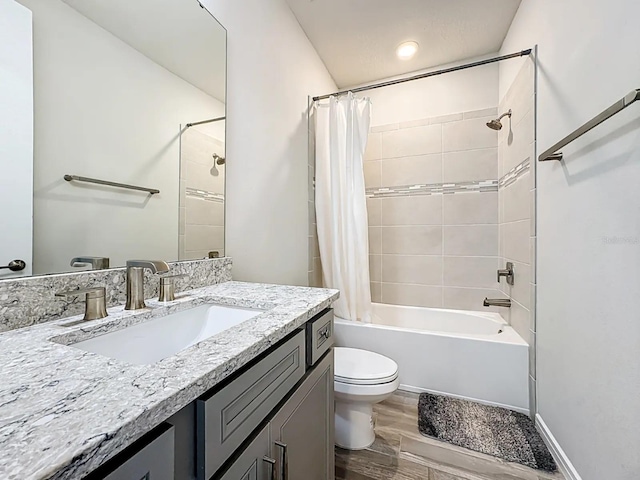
153	462
302	430
227	417
253	463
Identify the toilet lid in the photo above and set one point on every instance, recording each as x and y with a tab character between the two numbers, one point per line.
361	367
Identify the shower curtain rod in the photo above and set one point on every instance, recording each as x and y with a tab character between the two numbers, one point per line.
205	121
426	75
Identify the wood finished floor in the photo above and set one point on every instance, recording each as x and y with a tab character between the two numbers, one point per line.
400	452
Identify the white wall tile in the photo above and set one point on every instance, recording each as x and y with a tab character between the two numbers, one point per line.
471	208
312	212
182	219
520	290
519	145
468	135
479	272
375	268
518	317
471	240
374	211
532	258
515	236
446	118
315	279
470	165
412	240
413	295
421	270
204	212
373	150
415	123
412	141
200	176
487	112
532	355
532	306
516	199
385	128
376	292
372	174
375	240
414	210
203	237
532	211
411	170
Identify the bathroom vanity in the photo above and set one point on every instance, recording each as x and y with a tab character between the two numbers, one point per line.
253	401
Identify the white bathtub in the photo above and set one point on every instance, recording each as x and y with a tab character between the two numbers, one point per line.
464	354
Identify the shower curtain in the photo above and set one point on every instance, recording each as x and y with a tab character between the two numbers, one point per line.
342	128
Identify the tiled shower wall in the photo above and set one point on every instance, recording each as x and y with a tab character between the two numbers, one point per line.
202	184
433	211
315	266
516	193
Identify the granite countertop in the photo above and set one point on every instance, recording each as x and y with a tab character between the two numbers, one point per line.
64	412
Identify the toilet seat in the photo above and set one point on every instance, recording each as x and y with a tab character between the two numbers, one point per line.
361	367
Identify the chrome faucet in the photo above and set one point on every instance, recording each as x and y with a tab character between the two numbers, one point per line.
135	280
97	263
95	299
507	273
497	302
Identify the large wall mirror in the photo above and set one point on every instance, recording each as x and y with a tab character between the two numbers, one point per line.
112	133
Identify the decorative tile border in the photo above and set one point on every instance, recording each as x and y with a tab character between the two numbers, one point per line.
31	300
515	173
434	189
205	195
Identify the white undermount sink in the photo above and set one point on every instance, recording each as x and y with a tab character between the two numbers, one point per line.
155	339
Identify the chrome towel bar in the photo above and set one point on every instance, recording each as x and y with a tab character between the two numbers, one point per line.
553	154
78	178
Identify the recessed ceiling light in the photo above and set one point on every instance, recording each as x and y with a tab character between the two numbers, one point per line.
407	50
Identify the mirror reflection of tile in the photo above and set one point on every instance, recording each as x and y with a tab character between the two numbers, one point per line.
202	180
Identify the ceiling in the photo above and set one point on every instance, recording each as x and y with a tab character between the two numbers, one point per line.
177	34
357	39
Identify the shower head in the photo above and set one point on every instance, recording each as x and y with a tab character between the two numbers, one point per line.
219	160
497	124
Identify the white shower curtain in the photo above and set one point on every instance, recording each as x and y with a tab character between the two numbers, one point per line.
342	128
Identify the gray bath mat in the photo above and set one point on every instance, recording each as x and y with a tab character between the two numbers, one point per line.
495	431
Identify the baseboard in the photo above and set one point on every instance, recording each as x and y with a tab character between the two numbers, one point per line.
564	464
412	389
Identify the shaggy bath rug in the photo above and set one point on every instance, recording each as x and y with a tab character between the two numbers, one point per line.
495	431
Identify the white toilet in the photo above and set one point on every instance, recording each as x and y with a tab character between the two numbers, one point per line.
361	378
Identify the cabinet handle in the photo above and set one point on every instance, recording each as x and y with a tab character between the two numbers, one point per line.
271	467
284	461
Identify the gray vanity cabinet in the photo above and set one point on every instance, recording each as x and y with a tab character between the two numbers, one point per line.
227	417
253	463
299	436
153	459
302	430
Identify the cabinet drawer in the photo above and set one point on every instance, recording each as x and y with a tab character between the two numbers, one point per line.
319	336
154	461
227	418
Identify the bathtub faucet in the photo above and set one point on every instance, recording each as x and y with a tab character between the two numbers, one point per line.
497	302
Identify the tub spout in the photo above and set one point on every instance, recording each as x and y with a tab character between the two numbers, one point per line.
497	302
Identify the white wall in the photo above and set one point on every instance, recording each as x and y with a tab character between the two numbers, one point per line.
588	253
271	68
104	110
